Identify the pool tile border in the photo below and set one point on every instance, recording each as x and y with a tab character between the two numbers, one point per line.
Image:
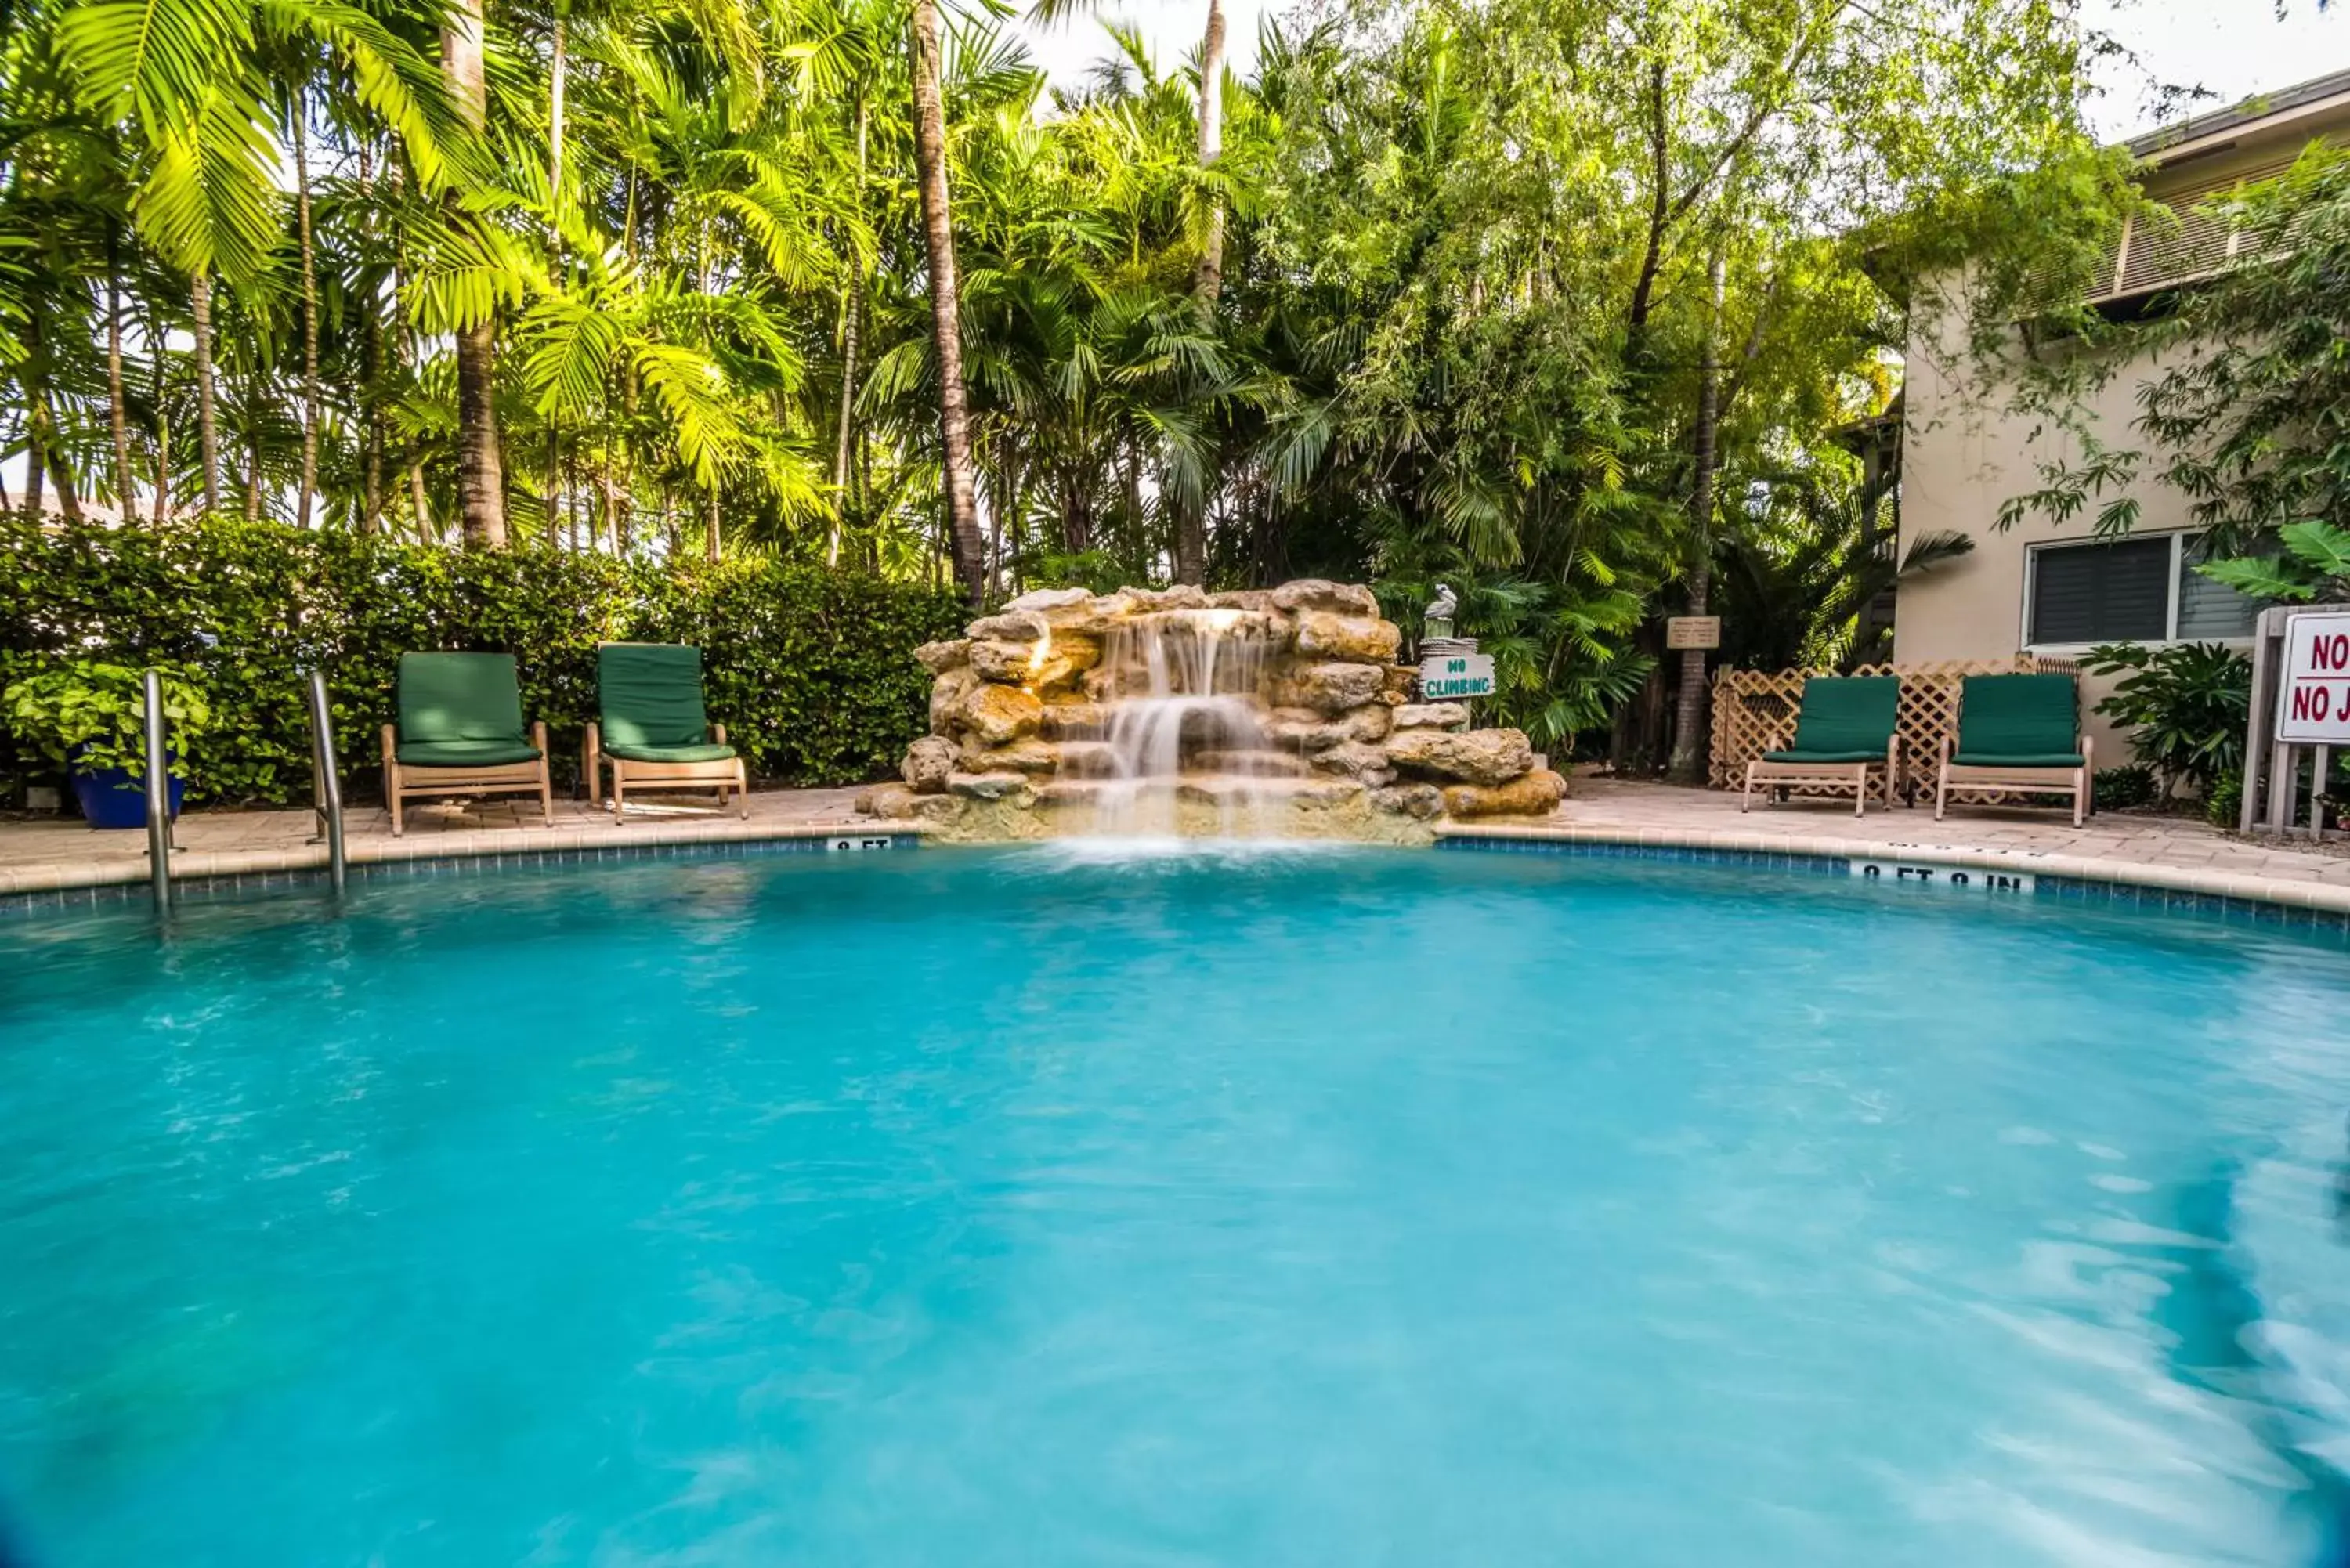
212	884
2250	901
219	876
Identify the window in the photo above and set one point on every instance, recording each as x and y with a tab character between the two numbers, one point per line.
2182	241
2132	590
2209	611
2101	593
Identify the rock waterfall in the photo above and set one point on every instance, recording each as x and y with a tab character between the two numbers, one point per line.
1276	711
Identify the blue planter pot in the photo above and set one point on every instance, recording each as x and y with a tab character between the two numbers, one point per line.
110	797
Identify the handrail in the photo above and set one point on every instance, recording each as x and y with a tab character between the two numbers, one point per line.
326	787
159	798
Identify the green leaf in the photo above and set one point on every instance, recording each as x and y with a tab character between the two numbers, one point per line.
2262	578
2319	543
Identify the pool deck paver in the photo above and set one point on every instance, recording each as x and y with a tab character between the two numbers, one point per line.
44	853
2172	853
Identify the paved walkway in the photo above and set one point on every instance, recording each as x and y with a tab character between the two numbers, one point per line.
2180	853
49	853
42	854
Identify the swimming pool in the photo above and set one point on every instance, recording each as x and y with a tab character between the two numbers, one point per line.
1050	1207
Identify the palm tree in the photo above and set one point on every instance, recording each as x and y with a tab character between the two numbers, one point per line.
967	549
1209	279
187	84
481	464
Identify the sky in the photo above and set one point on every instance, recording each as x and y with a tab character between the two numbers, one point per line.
2233	47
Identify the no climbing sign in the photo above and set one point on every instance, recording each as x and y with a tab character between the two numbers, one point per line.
2314	704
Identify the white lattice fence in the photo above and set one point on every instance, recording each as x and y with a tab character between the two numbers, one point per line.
1754	711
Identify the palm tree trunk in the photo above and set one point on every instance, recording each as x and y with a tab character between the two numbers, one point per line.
852	314
42	458
425	533
1208	282
967	549
200	298
256	401
555	84
1688	708
309	313
162	424
34	467
371	340
115	416
481	467
624	505
709	530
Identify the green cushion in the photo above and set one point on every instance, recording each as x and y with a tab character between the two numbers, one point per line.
2008	717
1875	756
708	752
2019	760
457	699
648	695
1848	713
463	753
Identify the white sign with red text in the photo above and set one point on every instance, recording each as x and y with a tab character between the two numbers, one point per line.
2313	702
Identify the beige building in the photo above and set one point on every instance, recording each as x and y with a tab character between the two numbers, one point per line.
2051	589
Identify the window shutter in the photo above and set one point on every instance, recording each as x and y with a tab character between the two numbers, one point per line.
2101	593
2209	610
2163	254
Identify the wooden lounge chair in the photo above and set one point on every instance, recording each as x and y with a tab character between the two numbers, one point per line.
653	732
2020	734
1845	727
460	732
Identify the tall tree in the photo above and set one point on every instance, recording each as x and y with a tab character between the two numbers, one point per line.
200	299
481	463
1208	280
1689	708
117	417
967	547
309	262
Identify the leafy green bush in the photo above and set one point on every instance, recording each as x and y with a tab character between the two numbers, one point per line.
811	672
2224	801
2186	706
2132	785
82	711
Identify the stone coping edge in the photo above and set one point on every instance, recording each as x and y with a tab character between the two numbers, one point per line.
2078	868
195	866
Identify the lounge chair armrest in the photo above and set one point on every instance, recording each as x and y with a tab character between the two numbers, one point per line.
718	734
1949	745
539	735
391	743
2087	746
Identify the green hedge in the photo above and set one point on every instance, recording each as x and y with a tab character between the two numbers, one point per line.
811	672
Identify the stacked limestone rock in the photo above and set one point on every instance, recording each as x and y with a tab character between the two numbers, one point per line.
1021	707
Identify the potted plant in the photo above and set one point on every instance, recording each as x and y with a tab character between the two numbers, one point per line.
89	718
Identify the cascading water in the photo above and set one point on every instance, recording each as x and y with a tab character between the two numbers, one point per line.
1274	714
1184	713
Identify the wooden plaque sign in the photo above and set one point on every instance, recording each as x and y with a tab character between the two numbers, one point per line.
1688	631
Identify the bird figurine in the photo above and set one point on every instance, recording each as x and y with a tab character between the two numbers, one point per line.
1439	613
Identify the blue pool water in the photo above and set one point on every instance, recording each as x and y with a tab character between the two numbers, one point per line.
1043	1209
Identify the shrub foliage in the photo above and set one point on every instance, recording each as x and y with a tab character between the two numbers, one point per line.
2186	705
811	672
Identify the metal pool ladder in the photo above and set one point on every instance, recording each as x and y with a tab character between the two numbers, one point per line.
159	797
327	792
